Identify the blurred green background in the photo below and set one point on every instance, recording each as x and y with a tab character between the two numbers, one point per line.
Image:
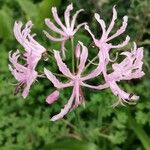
25	124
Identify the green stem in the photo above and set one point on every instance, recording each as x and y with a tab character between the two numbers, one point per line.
90	62
73	55
90	45
143	137
59	75
77	64
78	122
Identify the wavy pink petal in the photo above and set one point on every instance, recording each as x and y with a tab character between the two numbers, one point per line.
123	96
57	19
53	27
102	23
124	43
83	58
74	18
62	66
121	29
66	108
97	87
55	81
67	15
78	27
114	17
53	38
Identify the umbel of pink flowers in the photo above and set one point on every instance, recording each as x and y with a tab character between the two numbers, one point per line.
26	74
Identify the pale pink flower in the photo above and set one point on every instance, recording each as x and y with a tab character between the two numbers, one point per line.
129	68
104	43
68	30
77	81
26	73
33	50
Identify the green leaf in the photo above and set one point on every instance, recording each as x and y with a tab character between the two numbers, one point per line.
5	24
140	133
29	8
44	9
16	147
70	144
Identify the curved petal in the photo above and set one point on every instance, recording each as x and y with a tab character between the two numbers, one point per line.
53	38
74	18
66	108
114	17
124	43
13	58
21	35
92	35
18	76
83	58
26	40
67	15
97	87
51	25
62	66
57	19
102	23
29	82
125	97
55	81
17	32
26	31
78	27
26	91
35	48
121	29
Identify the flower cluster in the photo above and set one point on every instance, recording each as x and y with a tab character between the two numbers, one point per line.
25	74
129	68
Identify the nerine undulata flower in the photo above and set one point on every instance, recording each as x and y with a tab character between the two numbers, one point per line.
25	74
77	81
65	31
104	43
129	68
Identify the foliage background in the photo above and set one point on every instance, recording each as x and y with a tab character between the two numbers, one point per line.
24	124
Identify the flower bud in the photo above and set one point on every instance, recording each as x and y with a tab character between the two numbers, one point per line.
52	97
78	51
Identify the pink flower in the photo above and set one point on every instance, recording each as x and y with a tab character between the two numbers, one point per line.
33	50
26	73
68	30
104	42
129	68
75	80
